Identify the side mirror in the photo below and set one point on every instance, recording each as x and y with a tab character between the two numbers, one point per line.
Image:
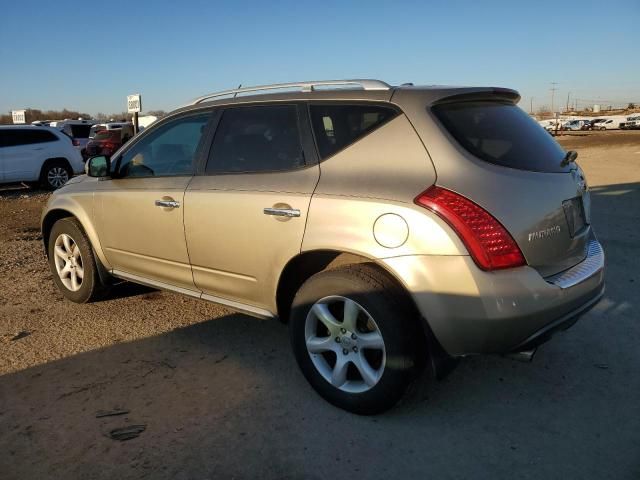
99	166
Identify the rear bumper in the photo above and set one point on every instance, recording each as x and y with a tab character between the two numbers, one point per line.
567	321
472	311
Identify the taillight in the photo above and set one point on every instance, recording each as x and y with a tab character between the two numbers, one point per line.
488	242
76	143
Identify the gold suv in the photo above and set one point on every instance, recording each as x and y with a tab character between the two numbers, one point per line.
391	227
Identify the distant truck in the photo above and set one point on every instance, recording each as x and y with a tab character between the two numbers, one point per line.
632	123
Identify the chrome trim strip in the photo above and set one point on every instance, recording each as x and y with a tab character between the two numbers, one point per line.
591	265
365	84
247	309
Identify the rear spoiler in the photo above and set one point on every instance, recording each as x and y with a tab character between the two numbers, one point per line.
495	93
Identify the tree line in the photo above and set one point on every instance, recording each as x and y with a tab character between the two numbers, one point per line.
33	114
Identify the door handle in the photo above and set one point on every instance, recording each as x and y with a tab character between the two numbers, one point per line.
167	203
282	212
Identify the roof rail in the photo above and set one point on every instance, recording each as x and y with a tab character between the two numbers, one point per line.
365	84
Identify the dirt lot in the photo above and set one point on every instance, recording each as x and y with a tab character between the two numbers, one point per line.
220	396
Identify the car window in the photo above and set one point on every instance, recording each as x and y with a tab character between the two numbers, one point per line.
257	139
108	135
80	131
26	136
338	126
168	150
502	134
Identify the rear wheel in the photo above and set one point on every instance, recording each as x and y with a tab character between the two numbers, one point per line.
72	262
355	337
55	173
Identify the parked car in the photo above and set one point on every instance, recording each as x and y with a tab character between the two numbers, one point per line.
78	130
106	142
552	125
37	154
128	128
592	123
575	125
608	124
401	254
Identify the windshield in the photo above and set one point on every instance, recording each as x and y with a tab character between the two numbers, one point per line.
501	133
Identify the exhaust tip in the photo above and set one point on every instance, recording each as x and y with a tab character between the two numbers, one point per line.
524	356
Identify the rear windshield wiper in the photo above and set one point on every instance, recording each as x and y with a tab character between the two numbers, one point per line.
570	157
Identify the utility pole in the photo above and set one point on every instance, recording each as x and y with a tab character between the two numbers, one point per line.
553	91
568	101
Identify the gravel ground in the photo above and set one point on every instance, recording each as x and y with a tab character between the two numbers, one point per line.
219	394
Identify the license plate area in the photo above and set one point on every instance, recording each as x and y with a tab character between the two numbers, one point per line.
574	213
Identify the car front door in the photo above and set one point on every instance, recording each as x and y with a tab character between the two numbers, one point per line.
245	214
139	211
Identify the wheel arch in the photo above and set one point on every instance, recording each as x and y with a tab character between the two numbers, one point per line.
301	267
64	207
51	160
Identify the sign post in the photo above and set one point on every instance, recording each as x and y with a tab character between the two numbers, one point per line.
134	105
18	116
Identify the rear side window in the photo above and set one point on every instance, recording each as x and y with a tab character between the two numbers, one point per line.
338	126
257	139
503	134
13	137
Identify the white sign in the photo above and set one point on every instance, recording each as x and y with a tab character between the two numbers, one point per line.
18	116
134	103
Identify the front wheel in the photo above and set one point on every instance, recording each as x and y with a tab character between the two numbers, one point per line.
355	337
72	262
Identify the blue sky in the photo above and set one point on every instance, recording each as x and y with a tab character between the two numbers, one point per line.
89	55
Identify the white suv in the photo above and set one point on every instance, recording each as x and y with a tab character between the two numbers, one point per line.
37	154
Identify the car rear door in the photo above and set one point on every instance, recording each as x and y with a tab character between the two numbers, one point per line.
245	214
140	210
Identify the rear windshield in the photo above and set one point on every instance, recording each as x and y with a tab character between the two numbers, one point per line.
80	131
107	135
503	134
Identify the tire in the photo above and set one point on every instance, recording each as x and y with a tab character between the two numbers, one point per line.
70	253
384	311
54	174
603	128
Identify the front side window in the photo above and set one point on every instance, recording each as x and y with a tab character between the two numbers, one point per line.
167	151
257	139
338	126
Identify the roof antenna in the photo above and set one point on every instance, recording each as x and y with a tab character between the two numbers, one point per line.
236	94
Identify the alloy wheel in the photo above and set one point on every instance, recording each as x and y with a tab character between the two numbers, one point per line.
68	261
345	344
57	177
